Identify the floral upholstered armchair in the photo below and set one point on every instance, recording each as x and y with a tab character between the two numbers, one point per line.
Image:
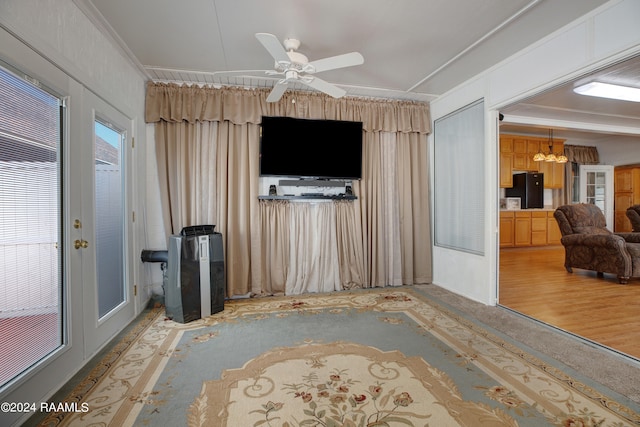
590	245
633	213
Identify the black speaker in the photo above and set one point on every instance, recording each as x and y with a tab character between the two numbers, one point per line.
272	190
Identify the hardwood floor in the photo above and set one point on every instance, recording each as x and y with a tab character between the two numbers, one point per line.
534	282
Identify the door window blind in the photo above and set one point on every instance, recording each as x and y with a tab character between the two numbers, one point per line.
30	200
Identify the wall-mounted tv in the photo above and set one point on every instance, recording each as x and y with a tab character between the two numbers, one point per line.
307	148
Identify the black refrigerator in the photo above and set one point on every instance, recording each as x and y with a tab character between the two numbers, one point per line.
530	188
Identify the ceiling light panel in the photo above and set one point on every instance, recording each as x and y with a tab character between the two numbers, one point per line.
606	90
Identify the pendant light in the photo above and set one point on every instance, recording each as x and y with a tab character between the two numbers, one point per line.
561	158
540	156
550	157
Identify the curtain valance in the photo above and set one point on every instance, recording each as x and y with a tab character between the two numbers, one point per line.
584	155
171	102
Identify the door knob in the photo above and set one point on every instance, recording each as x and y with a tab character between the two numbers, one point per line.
80	244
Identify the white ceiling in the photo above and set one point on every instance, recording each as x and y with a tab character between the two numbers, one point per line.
413	49
580	117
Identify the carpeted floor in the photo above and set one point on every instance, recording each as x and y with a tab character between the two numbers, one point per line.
400	356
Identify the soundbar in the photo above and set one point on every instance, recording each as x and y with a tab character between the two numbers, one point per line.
311	183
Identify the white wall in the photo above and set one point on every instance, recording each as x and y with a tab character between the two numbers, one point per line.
155	236
607	34
465	273
614	150
625	151
56	42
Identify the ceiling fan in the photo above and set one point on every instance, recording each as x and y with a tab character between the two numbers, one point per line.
296	68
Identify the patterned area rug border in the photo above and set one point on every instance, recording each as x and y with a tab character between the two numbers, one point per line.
105	364
552	366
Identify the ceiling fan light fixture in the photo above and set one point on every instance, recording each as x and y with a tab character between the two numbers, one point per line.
550	158
296	67
611	91
561	158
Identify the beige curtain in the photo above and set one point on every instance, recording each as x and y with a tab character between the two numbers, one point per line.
275	233
583	155
350	244
313	258
186	174
310	247
413	185
175	103
207	143
237	172
394	203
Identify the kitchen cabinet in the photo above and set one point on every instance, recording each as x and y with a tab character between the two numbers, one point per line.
506	162
507	237
523	151
519	154
516	154
506	168
521	228
626	193
553	230
621	201
538	228
533	148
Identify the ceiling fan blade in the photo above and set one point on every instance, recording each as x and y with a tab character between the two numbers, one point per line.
278	91
323	86
339	61
273	46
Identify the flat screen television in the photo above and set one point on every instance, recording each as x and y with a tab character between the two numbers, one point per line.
308	148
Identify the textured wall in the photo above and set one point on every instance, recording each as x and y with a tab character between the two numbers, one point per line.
61	32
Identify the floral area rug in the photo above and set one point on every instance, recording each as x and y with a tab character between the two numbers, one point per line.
382	357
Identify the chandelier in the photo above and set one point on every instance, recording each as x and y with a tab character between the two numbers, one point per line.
558	158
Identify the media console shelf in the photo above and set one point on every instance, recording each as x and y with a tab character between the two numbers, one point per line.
316	197
304	182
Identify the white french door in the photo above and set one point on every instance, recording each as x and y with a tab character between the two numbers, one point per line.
102	237
66	286
596	188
